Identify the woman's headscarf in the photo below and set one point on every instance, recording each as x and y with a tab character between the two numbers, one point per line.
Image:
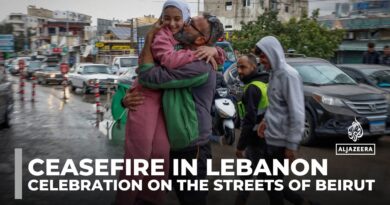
181	5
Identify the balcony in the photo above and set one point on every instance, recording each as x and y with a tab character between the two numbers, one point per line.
18	29
15	21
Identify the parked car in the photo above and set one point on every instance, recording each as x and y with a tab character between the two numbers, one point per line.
84	76
127	78
49	74
333	100
233	82
8	64
125	63
370	74
6	99
52	60
230	56
32	67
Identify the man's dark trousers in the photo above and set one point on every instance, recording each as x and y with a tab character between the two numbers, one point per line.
201	153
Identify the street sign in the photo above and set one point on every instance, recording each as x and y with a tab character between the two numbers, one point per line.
6	37
6	43
57	50
99	44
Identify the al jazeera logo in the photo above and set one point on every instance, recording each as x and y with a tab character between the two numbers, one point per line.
355	132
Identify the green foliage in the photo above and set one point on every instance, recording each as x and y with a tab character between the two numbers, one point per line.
305	36
6	28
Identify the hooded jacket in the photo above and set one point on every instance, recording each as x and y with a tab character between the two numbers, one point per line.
251	100
285	115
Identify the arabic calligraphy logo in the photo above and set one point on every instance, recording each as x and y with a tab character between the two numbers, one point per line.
355	131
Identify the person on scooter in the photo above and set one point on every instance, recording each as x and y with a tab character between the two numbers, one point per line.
251	111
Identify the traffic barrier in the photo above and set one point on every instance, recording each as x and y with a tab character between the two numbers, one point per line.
65	85
34	79
97	100
64	71
109	94
21	79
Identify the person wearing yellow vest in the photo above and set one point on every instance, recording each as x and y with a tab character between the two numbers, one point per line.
251	111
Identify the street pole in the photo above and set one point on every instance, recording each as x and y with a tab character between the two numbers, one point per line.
131	33
66	37
25	44
198	7
136	24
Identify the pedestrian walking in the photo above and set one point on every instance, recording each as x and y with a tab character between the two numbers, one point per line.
385	58
283	123
371	56
251	111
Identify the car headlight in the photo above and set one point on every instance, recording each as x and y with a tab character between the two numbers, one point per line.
327	100
115	81
52	75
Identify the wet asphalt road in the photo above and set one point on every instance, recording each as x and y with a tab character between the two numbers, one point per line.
54	128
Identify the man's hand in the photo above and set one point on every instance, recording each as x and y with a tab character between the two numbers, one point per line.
290	154
132	100
261	129
239	153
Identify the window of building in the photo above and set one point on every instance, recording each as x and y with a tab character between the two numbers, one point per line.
52	31
286	9
246	3
228	6
274	5
228	26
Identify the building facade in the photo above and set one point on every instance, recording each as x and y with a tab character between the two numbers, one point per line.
18	22
39	12
363	21
233	12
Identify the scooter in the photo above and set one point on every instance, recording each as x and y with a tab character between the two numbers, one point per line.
224	115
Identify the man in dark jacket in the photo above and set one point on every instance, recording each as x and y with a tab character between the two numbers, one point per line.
385	60
252	110
371	56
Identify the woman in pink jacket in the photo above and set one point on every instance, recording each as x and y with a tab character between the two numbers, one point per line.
146	135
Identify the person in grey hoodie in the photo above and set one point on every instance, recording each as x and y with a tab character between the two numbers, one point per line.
283	124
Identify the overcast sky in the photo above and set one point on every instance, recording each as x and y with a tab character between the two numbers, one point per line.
119	9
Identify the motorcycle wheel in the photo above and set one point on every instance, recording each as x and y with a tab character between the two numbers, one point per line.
229	136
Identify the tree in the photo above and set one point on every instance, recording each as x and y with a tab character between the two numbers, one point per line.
306	35
6	28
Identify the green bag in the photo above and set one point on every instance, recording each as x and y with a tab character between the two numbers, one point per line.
116	104
119	114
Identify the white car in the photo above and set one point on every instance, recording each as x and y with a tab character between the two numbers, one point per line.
84	76
123	64
15	64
